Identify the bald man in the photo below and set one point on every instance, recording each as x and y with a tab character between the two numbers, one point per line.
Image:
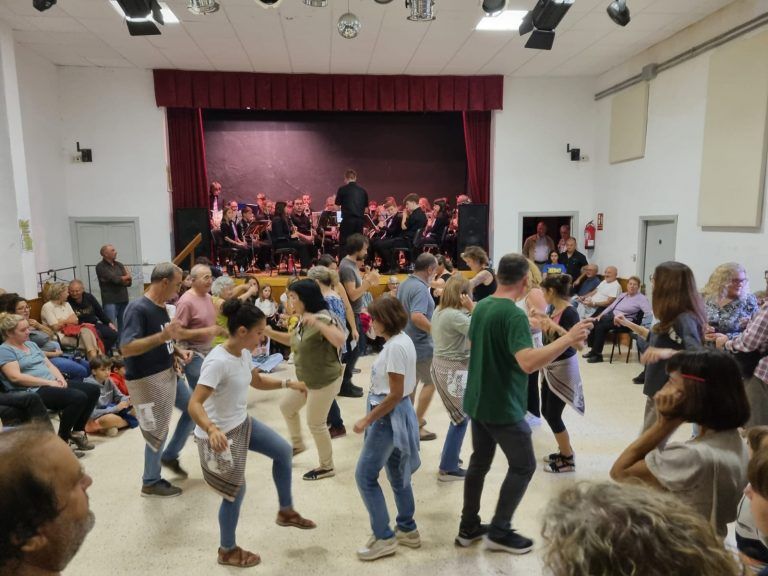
602	296
89	311
114	280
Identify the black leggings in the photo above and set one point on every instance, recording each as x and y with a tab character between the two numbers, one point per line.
21	407
74	403
552	407
533	394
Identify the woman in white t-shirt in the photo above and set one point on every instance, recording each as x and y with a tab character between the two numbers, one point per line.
708	472
392	434
225	432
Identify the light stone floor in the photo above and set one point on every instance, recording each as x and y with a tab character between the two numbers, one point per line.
179	536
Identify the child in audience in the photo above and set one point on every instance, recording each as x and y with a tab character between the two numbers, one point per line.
263	361
266	303
117	374
749	540
113	410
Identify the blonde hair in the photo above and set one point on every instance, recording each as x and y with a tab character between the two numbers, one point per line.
454	288
606	529
55	290
534	275
717	285
8	323
323	275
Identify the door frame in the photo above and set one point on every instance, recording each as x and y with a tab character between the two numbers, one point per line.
74	220
643	237
573	215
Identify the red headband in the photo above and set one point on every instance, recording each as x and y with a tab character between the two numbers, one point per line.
694	378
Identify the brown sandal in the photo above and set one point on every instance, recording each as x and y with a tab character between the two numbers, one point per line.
238	557
295	520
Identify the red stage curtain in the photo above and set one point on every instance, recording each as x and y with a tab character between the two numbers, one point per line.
186	151
336	92
477	139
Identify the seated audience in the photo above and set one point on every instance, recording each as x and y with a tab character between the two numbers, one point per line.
728	301
24	368
553	267
709	471
89	311
757	492
573	260
265	302
632	304
749	540
602	296
19	408
263	361
117	374
72	367
586	281
59	316
113	410
43	496
628	530
392	285
483	284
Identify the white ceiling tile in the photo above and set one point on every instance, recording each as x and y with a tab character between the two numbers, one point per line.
89	9
60	55
21	22
55	24
480	47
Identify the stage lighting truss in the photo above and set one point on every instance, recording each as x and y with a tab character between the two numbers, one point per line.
202	7
421	10
542	21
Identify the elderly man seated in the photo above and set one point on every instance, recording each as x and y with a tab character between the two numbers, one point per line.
601	297
89	311
585	283
632	305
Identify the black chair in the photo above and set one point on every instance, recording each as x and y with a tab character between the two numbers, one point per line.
407	251
222	251
616	333
436	246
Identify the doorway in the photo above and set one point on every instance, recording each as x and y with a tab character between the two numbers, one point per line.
553	222
90	234
658	238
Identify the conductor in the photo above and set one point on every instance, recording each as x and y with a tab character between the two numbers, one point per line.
353	201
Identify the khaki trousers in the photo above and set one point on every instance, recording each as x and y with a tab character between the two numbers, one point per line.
318	403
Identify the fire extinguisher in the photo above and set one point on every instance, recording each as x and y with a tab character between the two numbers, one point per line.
589	235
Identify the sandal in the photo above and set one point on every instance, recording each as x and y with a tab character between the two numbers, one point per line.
295	520
238	557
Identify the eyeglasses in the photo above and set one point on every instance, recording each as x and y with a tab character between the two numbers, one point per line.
738	281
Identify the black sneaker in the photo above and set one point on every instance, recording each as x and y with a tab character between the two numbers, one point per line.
162	489
551	458
175	467
80	441
640	378
352	392
587	354
467	537
561	464
512	542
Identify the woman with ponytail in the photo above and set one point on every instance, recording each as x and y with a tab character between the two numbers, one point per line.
225	432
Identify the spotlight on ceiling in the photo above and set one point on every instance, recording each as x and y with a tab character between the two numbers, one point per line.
619	12
542	21
43	5
494	7
202	7
348	25
421	10
268	3
316	3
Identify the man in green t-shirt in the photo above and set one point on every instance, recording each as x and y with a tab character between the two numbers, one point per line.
496	397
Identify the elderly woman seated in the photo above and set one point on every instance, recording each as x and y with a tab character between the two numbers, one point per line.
709	472
728	301
24	368
45	338
59	316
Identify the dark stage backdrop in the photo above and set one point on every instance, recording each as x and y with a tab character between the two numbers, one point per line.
286	155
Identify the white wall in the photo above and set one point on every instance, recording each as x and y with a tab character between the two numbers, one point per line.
666	182
113	112
531	170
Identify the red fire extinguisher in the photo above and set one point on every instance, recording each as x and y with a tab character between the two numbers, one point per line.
589	235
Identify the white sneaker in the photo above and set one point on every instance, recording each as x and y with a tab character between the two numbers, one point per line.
410	539
375	549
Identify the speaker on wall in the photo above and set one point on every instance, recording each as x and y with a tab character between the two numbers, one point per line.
473	228
188	222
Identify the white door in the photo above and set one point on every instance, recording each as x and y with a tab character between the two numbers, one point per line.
660	236
88	238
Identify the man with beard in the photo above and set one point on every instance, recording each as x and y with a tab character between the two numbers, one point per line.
44	510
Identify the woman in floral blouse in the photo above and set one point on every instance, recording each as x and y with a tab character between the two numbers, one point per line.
729	303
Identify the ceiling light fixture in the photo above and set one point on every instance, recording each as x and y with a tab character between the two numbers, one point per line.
542	21
619	12
505	21
167	15
494	7
43	5
268	3
421	10
316	3
202	7
348	25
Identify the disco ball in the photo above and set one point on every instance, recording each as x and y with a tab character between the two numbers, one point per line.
348	25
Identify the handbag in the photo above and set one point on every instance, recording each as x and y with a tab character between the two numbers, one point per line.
75	329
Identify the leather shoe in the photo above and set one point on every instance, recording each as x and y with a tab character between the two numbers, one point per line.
354	392
587	354
594	359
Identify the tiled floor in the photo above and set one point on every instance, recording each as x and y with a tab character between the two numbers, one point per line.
179	536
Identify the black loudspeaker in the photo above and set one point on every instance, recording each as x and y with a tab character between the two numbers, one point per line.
473	229
188	222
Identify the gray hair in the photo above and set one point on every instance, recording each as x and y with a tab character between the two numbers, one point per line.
424	262
197	269
220	284
75	282
163	271
323	275
512	269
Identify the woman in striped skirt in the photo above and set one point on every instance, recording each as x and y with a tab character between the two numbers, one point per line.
450	325
225	432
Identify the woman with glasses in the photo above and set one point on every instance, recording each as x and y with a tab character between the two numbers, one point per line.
729	303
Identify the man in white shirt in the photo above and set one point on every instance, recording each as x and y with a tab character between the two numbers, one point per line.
602	296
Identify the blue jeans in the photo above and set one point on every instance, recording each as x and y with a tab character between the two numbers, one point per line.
71	368
449	460
115	313
152	459
379	452
265	441
268	363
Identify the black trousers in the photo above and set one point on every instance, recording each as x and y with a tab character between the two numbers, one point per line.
21	407
349	225
75	403
302	250
599	333
387	248
533	394
552	407
107	335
